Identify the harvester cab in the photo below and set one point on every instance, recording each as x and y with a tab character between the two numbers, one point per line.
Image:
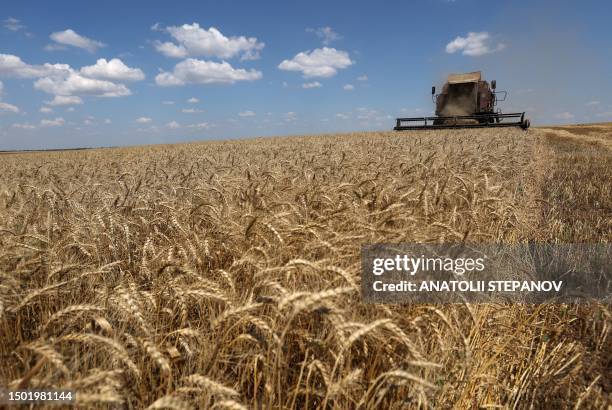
466	101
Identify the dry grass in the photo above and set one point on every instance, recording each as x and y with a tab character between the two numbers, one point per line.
226	274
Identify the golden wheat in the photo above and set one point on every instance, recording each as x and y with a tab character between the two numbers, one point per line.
227	274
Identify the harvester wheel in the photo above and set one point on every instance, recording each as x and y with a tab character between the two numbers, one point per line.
525	124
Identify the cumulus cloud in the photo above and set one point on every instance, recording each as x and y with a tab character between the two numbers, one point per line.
168	102
362	78
474	44
13	66
71	38
193	71
247	113
321	62
191	111
348	87
327	34
12	24
314	84
114	70
58	122
65	100
107	121
76	84
6	107
143	120
173	125
194	41
63	80
343	116
193	100
45	110
290	116
592	103
170	49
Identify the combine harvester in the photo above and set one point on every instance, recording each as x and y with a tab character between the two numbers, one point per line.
466	101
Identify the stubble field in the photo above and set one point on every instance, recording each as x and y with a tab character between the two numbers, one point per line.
226	274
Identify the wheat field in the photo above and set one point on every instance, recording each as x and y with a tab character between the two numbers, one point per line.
227	274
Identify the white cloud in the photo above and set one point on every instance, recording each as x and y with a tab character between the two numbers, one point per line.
285	85
168	102
58	122
24	126
12	24
290	116
321	62
13	66
194	41
348	87
593	103
193	100
170	49
191	111
192	71
327	34
65	100
6	107
1	87
143	120
475	44
607	114
362	78
247	113
70	109
88	121
61	79
45	110
173	125
70	38
566	116
114	70
314	84
107	121
76	84
343	116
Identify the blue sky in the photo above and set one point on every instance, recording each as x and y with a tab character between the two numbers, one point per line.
77	73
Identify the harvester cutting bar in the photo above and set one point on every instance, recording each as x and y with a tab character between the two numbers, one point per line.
463	121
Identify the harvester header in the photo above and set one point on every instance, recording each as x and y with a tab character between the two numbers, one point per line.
466	101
